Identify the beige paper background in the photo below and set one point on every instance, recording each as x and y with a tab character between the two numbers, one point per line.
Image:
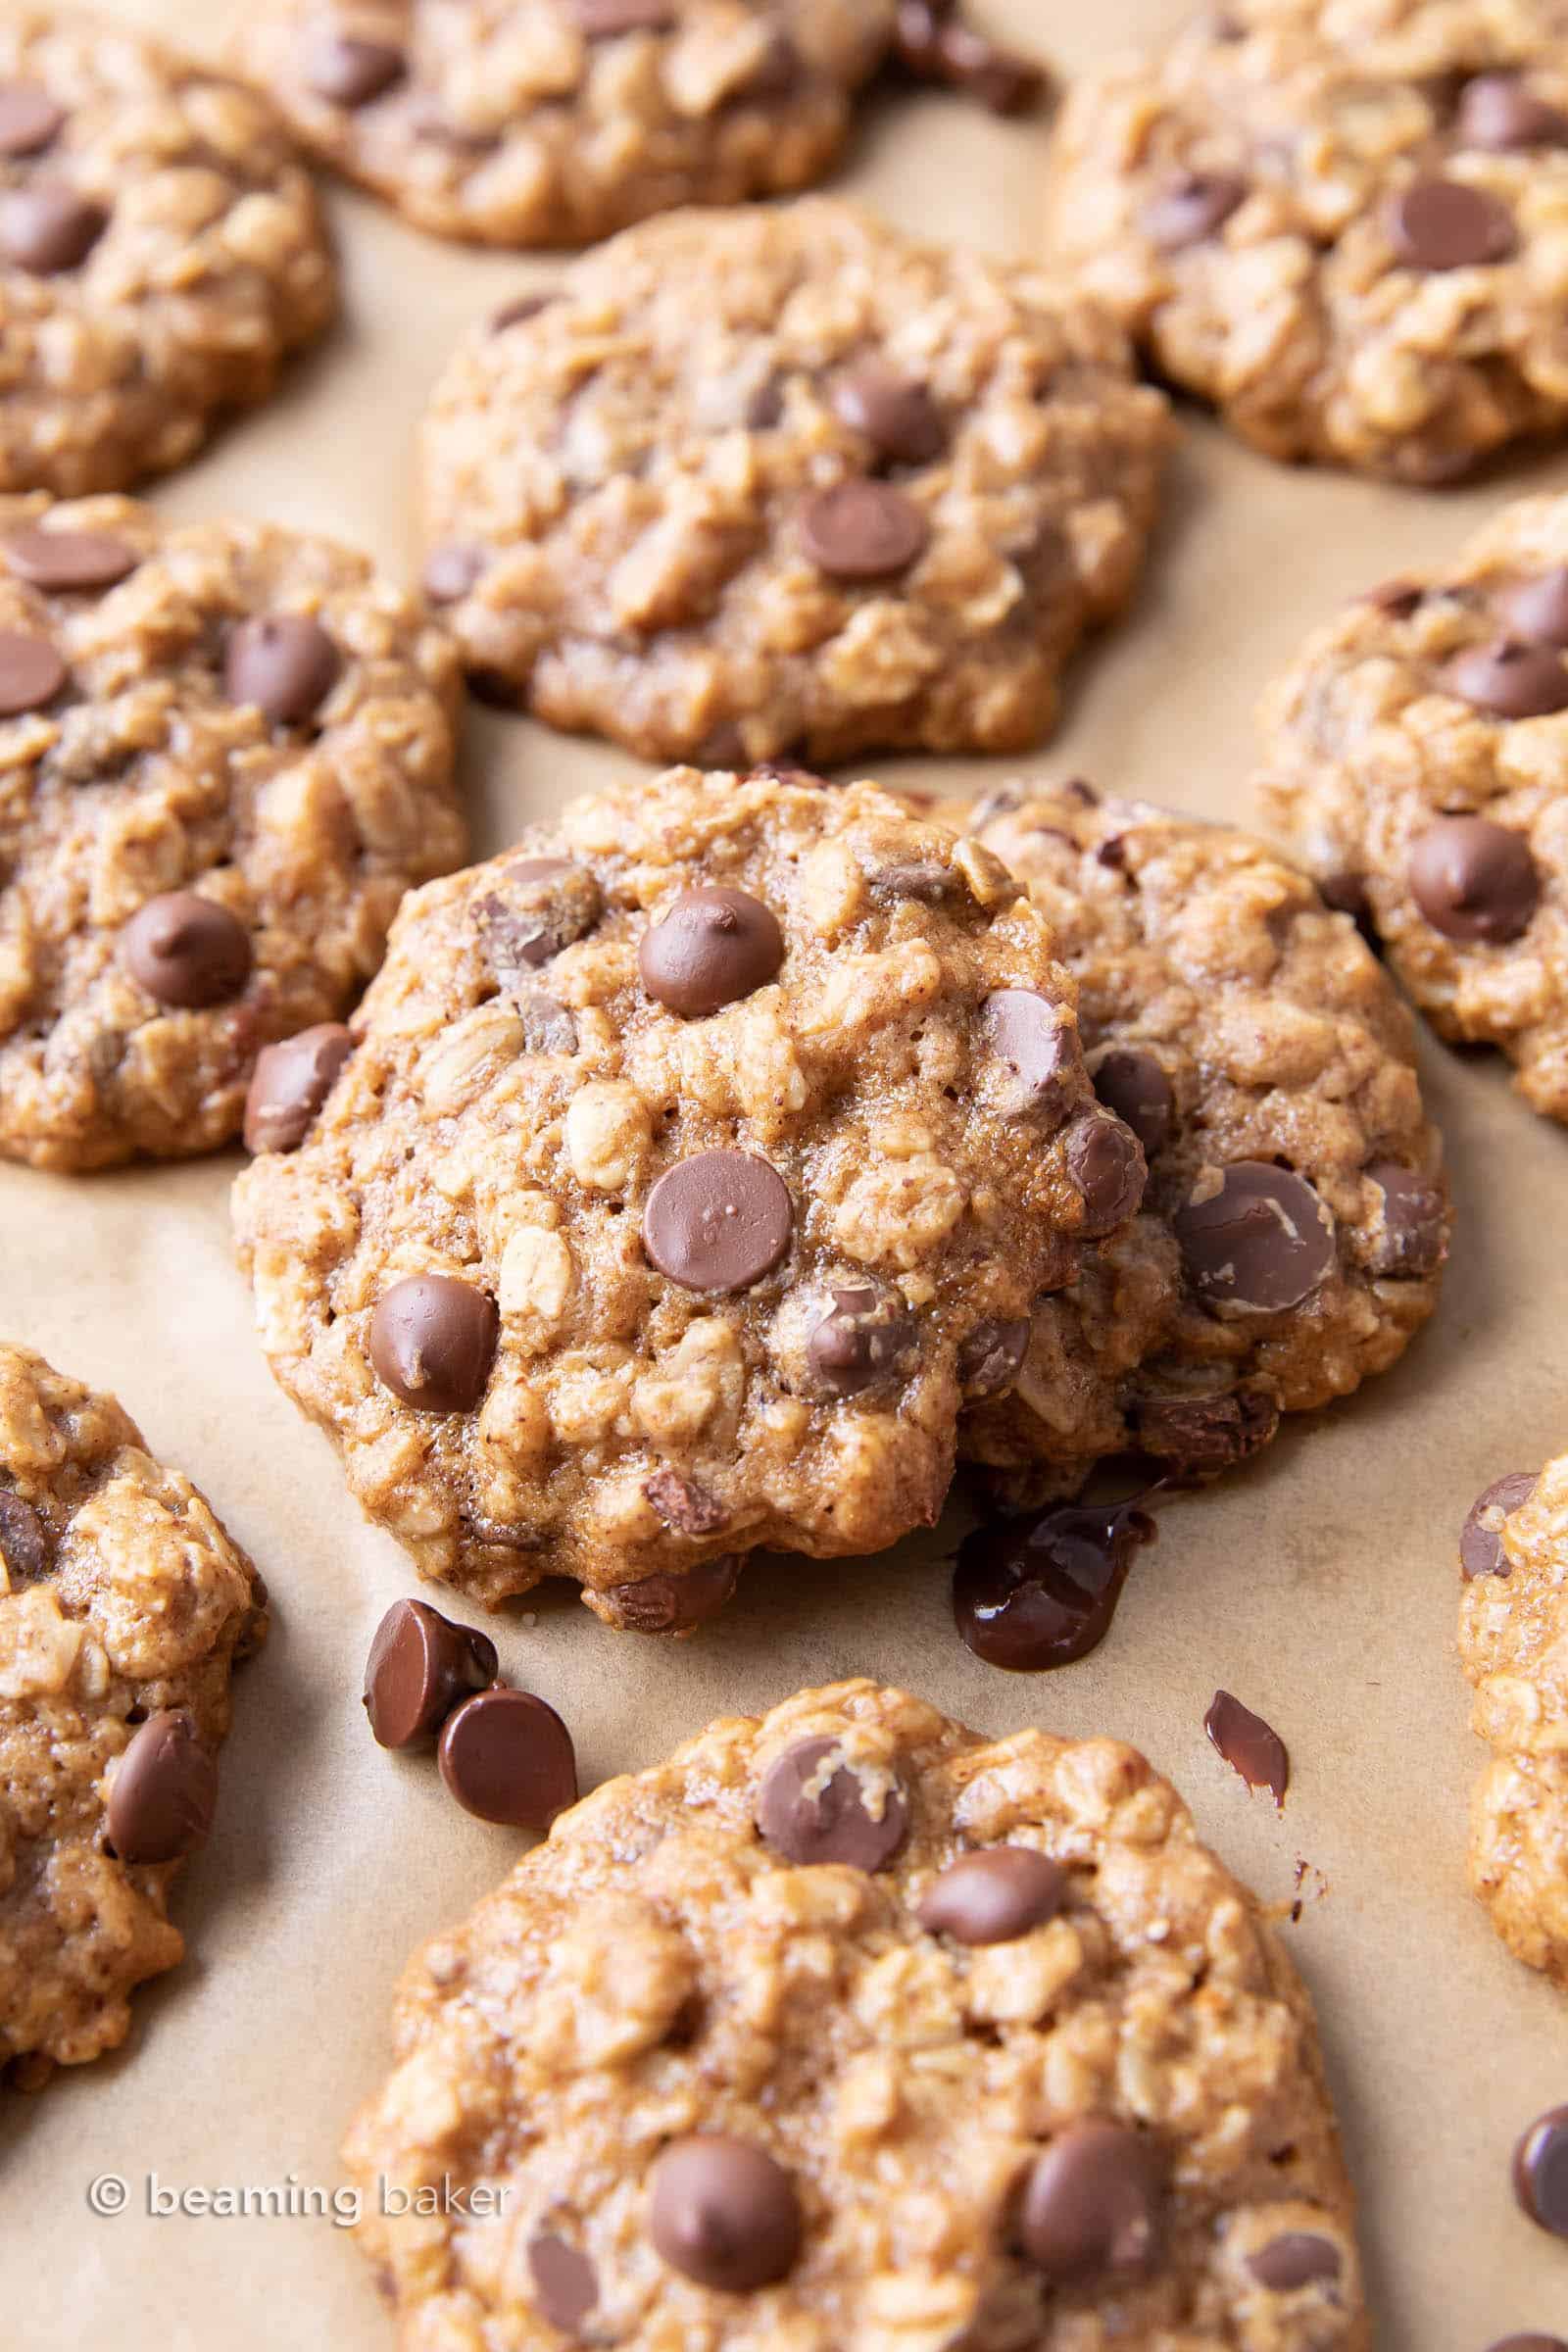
1320	1587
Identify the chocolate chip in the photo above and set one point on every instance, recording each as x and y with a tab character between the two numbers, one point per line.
1481	1551
289	1085
164	1792
1530	2343
1399	598
68	559
1108	1166
1500	113
810	1816
671	1604
186	951
684	1504
351	72
895	412
285	663
1508	680
1197	1438
991	1357
547	1027
709	947
1036	1040
32	673
1134	1085
48	228
566	2286
1191	207
1296	2258
1447	224
451	571
1040	1590
507	1757
1094	2203
421	1666
994	1897
24	1545
934	46
1538	609
723	2213
1414	1240
602	20
718	1221
1474	880
1541	2172
29	118
432	1342
925	880
1251	1748
862	530
519	312
537	907
1262	1242
860	1341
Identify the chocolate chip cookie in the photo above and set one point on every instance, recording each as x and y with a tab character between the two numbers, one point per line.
1418	751
1513	1645
123	1607
693	1161
226	751
1292	1235
849	2027
161	251
759	485
1342	224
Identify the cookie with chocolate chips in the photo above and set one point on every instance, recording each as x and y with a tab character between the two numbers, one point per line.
123	1607
787	484
228	751
1296	1222
1340	225
1418	753
1514	1646
850	2027
694	1158
161	253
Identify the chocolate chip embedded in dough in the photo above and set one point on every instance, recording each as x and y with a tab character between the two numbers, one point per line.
859	1339
24	1543
1260	1240
934	45
164	1790
290	1083
1131	1083
862	530
65	561
1510	678
1481	1551
1296	2258
670	1604
31	671
995	1896
1474	880
1537	607
535	907
565	2284
847	1815
351	72
1196	1438
29	118
1499	112
432	1340
895	412
1094	2205
708	948
48	228
722	2213
1106	1165
1033	1038
507	1757
683	1504
1414	1240
421	1667
186	951
1448	224
1191	207
718	1221
991	1357
285	663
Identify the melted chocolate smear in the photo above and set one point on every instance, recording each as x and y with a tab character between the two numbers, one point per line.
1039	1589
1251	1748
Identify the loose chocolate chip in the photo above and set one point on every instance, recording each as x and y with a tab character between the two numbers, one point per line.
1500	113
1260	1243
718	1221
24	1546
1198	1437
421	1666
1037	1041
566	2286
164	1792
1041	1589
1295	2259
351	72
283	662
1538	609
1447	224
290	1083
1191	207
723	2213
29	118
709	947
68	559
48	228
432	1342
1481	1551
32	673
1094	2204
684	1504
1134	1085
991	1357
994	1897
518	312
670	1604
860	1341
862	530
186	951
1414	1240
1251	1748
538	907
507	1757
1541	2172
451	571
811	1816
1474	880
895	412
1508	680
547	1027
1108	1166
602	19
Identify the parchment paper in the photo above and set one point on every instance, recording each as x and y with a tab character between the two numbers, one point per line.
1320	1587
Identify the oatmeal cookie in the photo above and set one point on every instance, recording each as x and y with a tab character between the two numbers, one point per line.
785	484
123	1607
1292	1235
225	750
1513	1645
849	2027
160	252
1343	224
1418	751
689	1161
